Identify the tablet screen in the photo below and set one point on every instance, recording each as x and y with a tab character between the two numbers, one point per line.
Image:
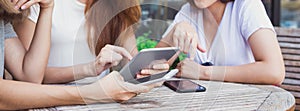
144	58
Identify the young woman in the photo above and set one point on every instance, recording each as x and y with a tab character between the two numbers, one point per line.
235	36
72	54
30	66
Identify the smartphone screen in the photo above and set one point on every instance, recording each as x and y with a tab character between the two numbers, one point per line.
184	86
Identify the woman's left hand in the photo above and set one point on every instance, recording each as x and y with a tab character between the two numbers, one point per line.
155	67
190	69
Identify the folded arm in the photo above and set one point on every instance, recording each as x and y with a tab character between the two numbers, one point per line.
30	65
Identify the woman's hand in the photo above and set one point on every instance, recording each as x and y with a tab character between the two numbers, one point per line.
190	69
185	37
158	66
108	57
25	4
112	88
155	67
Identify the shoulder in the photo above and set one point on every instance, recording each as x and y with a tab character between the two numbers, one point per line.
188	8
244	5
188	11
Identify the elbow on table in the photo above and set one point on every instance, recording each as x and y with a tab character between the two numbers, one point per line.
276	76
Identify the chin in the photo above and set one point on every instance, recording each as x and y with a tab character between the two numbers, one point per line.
204	3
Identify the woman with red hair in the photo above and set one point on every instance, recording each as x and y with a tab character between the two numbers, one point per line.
72	56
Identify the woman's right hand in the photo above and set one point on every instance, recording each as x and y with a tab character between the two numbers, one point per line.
108	57
112	88
185	38
25	4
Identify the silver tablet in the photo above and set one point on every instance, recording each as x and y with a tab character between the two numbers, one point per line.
144	58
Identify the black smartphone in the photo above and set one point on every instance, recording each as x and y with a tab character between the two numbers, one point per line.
184	86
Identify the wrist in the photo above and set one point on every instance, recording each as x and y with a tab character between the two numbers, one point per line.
88	70
44	6
206	72
74	95
46	9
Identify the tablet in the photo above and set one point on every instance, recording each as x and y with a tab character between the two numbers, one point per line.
144	59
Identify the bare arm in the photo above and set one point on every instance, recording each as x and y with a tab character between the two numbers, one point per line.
65	74
268	68
30	65
20	95
52	74
109	56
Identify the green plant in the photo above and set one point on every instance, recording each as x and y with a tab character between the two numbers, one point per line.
144	41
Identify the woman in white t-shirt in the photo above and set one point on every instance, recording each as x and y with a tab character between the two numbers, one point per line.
230	40
73	53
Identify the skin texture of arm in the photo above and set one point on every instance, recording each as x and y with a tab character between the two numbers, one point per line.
20	95
30	65
268	68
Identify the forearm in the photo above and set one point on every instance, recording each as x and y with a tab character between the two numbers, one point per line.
57	75
166	41
20	95
68	74
258	72
36	59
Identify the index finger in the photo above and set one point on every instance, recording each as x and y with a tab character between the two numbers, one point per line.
193	48
122	51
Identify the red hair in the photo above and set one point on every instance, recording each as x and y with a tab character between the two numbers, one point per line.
107	19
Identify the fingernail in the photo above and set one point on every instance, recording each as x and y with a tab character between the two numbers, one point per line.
161	66
17	7
144	71
23	7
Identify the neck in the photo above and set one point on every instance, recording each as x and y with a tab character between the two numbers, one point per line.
217	10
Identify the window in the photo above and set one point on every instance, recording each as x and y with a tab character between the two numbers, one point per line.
290	13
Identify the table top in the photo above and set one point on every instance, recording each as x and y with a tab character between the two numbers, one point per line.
218	96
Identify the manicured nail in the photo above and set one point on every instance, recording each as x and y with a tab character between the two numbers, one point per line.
23	7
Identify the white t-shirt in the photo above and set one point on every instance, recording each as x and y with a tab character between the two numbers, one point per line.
230	46
68	48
